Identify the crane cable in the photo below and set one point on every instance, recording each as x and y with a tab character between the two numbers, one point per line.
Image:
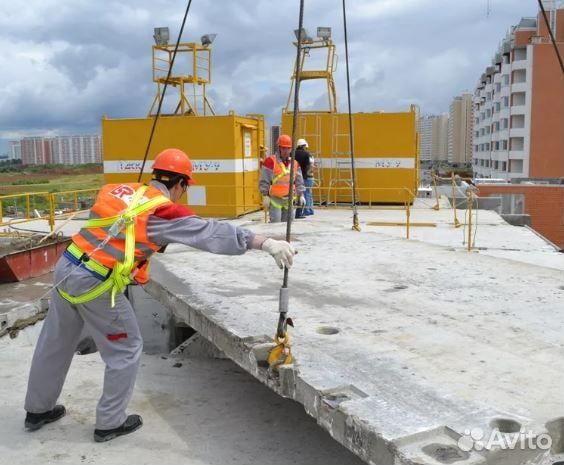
281	353
164	92
356	225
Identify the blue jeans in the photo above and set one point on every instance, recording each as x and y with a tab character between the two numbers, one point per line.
308	209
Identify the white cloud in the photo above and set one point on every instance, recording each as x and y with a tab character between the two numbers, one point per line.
65	63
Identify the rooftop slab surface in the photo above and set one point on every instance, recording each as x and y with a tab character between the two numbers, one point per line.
205	412
402	347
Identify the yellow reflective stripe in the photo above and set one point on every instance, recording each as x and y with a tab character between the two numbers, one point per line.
285	172
157	201
277	205
92	264
104	222
88	296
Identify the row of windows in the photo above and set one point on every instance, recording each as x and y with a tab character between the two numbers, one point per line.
494	127
493	146
494	164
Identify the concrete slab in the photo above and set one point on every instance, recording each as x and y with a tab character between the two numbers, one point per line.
205	412
402	347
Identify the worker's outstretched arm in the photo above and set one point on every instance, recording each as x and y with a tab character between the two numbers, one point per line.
178	224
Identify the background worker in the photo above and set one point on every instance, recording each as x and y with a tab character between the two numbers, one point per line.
274	184
94	270
306	162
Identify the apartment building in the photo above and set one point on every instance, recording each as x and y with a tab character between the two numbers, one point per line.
66	150
76	150
15	150
460	129
433	137
35	151
519	104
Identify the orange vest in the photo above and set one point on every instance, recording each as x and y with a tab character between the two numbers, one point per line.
112	200
280	186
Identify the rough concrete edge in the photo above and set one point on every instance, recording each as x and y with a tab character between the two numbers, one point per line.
16	319
350	431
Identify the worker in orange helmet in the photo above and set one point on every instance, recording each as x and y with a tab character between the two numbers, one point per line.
274	183
127	224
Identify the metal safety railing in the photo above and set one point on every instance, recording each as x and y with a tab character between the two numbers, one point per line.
49	206
237	200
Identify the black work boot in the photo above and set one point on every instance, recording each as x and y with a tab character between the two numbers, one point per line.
34	421
131	424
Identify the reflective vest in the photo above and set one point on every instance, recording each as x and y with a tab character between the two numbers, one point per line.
280	186
115	237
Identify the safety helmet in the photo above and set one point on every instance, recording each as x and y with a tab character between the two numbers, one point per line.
302	142
174	161
284	141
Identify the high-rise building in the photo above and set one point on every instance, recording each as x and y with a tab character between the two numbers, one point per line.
460	129
433	136
76	150
274	135
15	150
35	151
66	150
519	104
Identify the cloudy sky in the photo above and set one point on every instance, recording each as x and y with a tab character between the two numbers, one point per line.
65	63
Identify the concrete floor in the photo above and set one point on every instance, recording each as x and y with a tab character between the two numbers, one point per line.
401	345
431	341
205	412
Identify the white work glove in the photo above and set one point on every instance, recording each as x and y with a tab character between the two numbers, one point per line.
301	200
282	252
265	201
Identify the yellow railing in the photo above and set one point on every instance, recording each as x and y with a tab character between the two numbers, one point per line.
33	206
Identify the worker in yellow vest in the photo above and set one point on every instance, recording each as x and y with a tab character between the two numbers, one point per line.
127	224
274	184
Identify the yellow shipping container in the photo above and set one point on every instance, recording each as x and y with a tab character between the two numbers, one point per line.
224	149
386	155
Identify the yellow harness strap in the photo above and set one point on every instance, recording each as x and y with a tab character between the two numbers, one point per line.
121	272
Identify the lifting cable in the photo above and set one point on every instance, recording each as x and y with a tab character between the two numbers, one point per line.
356	225
281	354
553	40
164	92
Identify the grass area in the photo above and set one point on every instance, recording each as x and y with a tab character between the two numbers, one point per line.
55	184
51	179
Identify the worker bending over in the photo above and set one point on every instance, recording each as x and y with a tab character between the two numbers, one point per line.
274	182
128	223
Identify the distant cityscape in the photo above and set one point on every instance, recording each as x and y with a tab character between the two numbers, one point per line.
65	150
511	127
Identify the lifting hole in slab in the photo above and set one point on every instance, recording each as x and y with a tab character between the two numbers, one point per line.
560	462
327	330
505	425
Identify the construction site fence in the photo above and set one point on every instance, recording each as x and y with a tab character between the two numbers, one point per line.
49	206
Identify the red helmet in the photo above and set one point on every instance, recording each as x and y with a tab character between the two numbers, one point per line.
284	141
174	161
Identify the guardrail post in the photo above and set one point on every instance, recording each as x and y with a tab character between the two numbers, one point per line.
51	219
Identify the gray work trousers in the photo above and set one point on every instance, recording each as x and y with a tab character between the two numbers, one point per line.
115	331
278	215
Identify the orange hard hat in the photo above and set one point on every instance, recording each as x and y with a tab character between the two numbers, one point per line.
284	141
174	161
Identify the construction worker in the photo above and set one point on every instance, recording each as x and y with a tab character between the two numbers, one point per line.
306	162
274	184
128	223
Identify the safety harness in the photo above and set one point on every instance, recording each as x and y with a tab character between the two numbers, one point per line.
285	172
118	277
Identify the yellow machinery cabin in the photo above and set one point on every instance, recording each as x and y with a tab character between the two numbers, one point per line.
225	149
386	144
